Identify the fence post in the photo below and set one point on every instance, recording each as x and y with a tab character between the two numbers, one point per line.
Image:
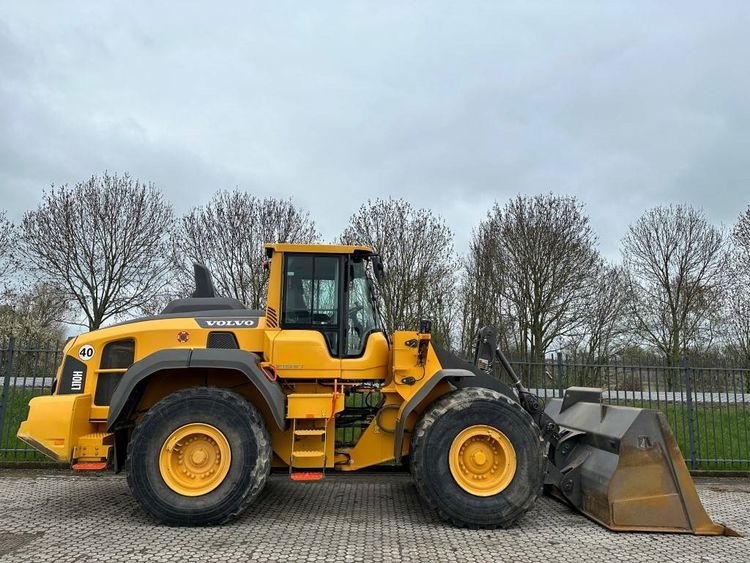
687	379
6	384
560	389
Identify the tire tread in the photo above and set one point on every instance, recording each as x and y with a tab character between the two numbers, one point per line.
430	416
260	473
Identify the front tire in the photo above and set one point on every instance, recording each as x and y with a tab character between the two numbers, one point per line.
478	459
199	457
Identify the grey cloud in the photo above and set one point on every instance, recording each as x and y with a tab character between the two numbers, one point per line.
450	105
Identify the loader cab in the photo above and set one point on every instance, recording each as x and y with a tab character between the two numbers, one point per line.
327	310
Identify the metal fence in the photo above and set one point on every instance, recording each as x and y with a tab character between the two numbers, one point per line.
708	408
26	371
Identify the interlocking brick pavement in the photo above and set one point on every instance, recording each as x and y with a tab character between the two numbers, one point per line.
57	516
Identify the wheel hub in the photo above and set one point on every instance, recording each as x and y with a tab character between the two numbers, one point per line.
482	460
195	459
479	458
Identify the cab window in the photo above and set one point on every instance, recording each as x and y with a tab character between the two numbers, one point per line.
311	296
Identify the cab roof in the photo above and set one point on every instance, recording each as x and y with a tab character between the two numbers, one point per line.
318	248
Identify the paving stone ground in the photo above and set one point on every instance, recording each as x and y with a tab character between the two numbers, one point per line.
56	516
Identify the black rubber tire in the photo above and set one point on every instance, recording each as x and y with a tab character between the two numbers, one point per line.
430	446
250	445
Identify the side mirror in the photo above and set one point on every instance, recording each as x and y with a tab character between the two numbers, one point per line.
377	267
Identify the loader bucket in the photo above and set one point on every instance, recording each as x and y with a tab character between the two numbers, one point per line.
622	467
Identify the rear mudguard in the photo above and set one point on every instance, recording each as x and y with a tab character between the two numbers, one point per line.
622	467
127	393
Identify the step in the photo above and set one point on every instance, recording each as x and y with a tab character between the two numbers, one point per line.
308	453
96	466
310	432
306	475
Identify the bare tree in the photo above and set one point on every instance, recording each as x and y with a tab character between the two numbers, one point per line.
482	290
416	248
8	251
103	241
35	315
676	263
545	252
737	320
741	237
228	235
604	330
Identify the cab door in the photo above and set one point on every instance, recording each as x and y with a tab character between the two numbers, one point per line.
366	353
309	344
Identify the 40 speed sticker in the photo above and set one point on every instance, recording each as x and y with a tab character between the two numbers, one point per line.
86	352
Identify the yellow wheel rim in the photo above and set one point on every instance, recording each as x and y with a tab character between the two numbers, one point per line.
195	459
482	460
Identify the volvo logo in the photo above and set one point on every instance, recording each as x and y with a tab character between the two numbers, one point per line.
240	322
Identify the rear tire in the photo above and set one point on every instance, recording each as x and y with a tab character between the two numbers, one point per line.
241	435
434	442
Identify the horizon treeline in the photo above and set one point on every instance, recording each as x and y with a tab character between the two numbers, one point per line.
112	247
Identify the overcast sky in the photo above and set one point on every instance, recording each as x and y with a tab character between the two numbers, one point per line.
450	105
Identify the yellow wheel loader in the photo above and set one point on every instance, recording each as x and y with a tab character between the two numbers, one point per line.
198	403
